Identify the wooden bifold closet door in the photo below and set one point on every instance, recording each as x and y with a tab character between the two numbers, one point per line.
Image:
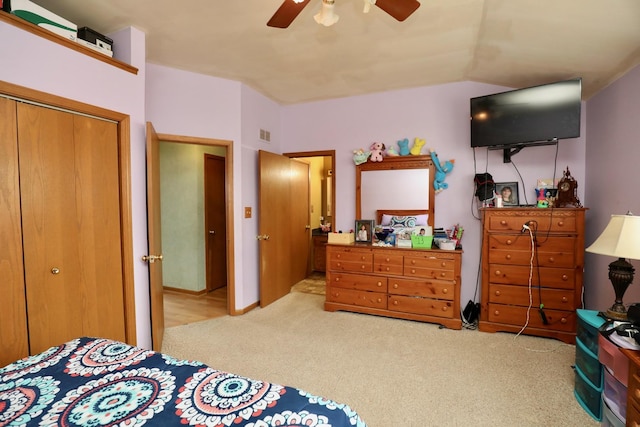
67	166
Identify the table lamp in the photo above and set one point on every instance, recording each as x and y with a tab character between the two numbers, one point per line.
620	239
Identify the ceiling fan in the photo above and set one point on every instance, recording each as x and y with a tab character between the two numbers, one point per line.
289	10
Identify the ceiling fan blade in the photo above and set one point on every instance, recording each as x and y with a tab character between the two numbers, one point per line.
286	13
399	9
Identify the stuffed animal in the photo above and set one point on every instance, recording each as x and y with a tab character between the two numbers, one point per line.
404	147
391	152
377	152
360	156
442	169
417	146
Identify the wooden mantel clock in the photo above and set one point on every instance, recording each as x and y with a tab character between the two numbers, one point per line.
567	195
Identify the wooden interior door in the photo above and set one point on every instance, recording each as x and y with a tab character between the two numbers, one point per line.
275	254
300	232
154	258
14	339
281	195
215	222
70	195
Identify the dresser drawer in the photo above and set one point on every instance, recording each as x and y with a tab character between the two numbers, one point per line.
519	275
357	281
522	242
561	222
356	297
559	299
544	259
634	386
517	315
431	262
440	289
347	260
429	273
416	305
387	264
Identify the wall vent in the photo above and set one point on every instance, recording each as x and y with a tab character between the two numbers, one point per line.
265	135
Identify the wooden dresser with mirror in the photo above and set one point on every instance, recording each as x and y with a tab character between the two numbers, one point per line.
405	283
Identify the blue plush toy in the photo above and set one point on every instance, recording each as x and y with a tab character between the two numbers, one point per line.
442	169
404	147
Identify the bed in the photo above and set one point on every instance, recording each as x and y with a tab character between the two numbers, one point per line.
101	382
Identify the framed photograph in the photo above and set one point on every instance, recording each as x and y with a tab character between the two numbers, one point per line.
509	193
364	230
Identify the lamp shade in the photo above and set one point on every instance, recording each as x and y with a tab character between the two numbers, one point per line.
620	239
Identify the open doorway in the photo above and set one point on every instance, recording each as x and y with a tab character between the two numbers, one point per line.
321	206
196	286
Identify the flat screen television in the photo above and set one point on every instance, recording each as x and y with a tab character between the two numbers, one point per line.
537	115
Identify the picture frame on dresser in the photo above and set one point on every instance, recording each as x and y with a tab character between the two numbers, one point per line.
364	230
509	193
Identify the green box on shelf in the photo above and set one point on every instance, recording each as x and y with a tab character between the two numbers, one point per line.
424	242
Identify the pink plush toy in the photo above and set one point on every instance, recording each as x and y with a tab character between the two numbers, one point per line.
377	152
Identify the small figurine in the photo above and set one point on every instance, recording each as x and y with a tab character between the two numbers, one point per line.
442	169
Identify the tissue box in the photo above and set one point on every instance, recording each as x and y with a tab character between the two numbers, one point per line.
343	238
40	16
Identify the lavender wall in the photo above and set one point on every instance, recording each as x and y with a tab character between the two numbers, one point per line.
613	151
439	114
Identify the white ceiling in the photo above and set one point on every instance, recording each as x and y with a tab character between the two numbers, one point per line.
513	43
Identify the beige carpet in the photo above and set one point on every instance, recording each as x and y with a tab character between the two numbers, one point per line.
392	372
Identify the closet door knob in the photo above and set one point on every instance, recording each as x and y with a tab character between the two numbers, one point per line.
55	270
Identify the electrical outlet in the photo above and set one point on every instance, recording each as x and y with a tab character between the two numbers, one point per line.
247	212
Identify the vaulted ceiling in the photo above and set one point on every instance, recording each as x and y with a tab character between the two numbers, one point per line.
513	43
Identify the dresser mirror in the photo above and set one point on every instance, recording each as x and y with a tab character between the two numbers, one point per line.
396	183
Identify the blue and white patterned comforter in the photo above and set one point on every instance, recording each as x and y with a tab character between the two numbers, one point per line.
97	382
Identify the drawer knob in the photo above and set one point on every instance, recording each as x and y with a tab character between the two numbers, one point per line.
496	313
379	284
337	279
508	256
387	259
636	393
413	271
363	266
395	302
339	264
338	256
565	277
395	286
563	320
413	261
362	258
387	269
560	223
443	274
497	293
552	259
444	264
336	294
564	299
509	242
445	291
444	308
379	300
503	222
498	273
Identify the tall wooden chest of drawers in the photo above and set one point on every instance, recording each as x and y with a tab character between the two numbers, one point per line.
414	284
516	280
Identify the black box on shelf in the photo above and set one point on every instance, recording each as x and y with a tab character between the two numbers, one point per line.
92	36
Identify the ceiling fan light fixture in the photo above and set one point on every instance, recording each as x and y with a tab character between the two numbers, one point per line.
327	16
